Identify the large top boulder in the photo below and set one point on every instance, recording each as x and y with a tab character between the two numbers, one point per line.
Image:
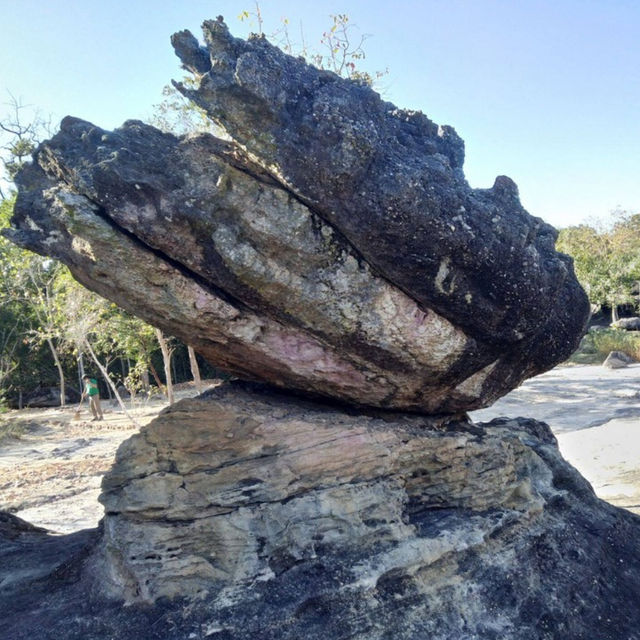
330	244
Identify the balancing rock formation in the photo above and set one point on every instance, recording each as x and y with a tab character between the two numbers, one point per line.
330	254
333	247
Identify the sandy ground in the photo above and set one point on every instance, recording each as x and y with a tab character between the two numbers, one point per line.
595	414
51	474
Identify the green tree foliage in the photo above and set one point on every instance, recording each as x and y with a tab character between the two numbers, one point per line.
51	327
340	48
177	115
14	318
606	261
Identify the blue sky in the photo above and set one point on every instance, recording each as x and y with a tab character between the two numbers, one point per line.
547	92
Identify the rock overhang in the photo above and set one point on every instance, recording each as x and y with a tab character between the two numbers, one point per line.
333	246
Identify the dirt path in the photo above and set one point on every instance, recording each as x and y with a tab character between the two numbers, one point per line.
51	475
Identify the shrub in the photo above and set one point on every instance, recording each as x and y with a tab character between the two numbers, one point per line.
12	429
603	341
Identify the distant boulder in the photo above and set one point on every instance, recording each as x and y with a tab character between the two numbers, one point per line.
123	391
618	360
43	397
628	324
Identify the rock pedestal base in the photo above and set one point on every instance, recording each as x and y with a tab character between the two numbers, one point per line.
281	518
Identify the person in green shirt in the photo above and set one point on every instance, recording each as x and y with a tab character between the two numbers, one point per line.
91	390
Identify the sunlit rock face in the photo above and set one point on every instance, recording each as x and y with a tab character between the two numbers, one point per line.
281	518
241	484
332	246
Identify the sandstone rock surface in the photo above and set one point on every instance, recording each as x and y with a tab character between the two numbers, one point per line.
332	246
248	514
251	484
617	360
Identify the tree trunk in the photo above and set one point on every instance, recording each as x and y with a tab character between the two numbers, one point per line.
166	360
123	371
56	359
129	384
156	377
110	383
105	374
195	369
80	370
145	381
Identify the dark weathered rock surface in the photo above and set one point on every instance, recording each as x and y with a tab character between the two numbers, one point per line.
30	559
333	247
391	181
44	397
246	514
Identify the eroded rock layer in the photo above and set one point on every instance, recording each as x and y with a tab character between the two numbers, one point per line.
235	487
248	514
333	246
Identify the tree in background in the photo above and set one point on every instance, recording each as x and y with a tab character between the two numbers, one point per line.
195	369
40	282
87	318
340	49
167	352
15	315
28	282
19	136
177	115
606	261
